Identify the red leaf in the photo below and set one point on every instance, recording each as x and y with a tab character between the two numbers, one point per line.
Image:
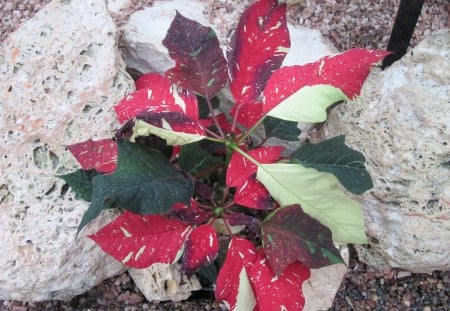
99	155
258	48
240	169
139	241
156	94
192	214
253	194
247	114
346	71
283	292
244	263
233	284
290	235
150	80
201	249
200	65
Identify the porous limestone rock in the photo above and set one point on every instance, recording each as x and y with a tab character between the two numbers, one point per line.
60	76
401	123
161	282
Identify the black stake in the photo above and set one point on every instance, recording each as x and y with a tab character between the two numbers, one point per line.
405	22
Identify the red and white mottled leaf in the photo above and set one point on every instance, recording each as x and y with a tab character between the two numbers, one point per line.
100	155
139	241
202	248
283	292
245	263
253	194
200	65
346	71
192	214
155	93
175	127
247	114
240	169
233	285
258	48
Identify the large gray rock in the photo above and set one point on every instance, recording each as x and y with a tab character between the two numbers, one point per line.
401	123
60	75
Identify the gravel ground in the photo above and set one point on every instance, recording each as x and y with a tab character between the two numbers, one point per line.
347	23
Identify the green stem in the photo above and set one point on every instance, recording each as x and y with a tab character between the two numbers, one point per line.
251	130
236	148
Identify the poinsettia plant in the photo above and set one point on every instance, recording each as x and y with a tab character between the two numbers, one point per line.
179	167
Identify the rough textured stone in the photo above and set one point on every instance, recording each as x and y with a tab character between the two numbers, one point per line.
401	123
60	75
162	282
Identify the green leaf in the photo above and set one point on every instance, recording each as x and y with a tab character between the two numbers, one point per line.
286	130
289	235
143	183
333	156
142	128
195	160
309	104
81	183
319	196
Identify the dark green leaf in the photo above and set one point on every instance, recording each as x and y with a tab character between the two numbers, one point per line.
194	159
81	183
143	183
203	106
290	235
333	156
286	130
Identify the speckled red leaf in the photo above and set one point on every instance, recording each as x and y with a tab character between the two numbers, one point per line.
290	235
139	241
100	155
192	214
283	292
155	93
246	275
258	47
247	114
200	65
253	194
233	284
201	248
346	71
240	169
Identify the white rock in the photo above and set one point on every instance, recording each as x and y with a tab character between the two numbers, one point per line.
307	46
146	29
115	6
161	282
401	123
60	75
